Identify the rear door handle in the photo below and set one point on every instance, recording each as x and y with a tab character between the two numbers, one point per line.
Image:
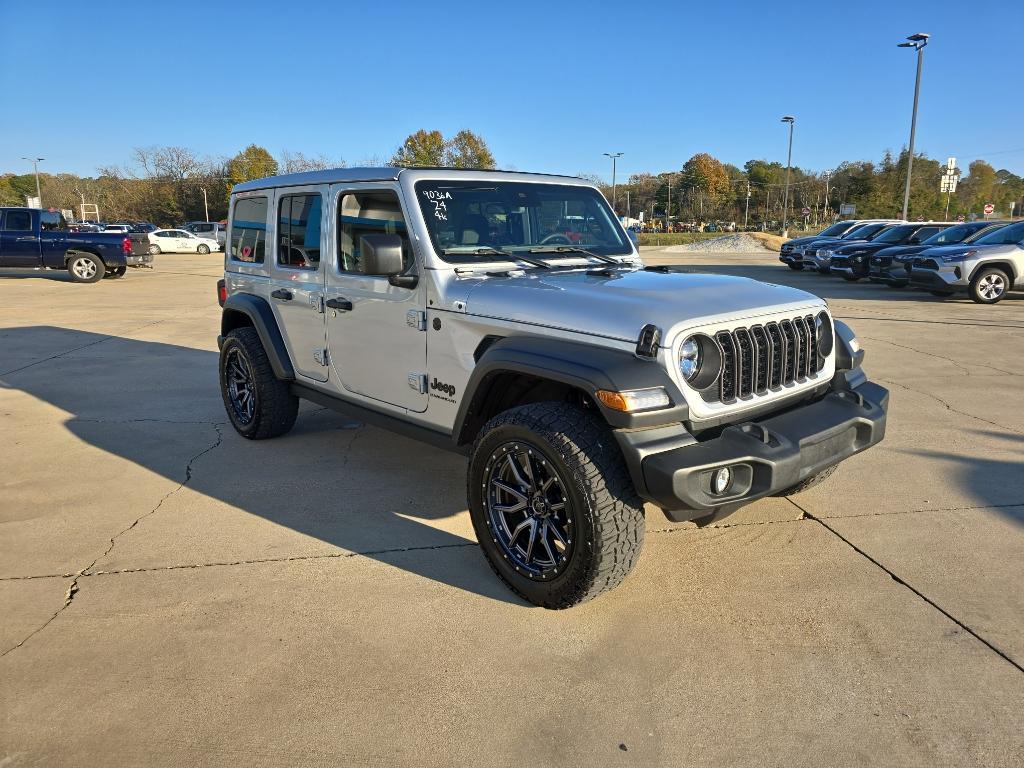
282	294
343	304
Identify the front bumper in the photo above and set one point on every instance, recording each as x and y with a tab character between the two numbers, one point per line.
765	456
892	274
945	278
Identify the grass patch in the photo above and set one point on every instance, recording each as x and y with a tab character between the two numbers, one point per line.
768	240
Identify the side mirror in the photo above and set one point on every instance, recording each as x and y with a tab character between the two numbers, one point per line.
381	254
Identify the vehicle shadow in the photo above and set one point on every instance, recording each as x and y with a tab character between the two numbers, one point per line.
355	487
15	273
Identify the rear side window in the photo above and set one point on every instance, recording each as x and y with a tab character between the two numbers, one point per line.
249	230
52	220
18	221
298	231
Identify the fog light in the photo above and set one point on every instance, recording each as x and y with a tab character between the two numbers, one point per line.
721	479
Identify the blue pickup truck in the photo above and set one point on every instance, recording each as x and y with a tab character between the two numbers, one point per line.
40	239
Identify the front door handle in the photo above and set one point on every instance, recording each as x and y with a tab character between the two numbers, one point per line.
282	294
343	304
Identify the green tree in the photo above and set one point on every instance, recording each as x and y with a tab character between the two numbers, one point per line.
423	148
253	162
468	150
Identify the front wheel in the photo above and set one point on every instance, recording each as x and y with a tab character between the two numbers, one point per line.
796	267
259	404
553	505
989	285
851	278
116	272
86	268
203	249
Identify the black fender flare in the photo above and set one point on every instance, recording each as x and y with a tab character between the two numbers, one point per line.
261	317
582	366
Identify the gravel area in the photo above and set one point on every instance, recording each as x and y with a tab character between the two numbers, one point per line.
739	243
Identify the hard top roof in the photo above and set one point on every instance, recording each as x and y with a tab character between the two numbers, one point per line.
392	173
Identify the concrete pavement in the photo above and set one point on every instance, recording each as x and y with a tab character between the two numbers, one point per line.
172	594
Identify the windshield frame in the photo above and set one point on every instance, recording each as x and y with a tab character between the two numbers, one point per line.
487	254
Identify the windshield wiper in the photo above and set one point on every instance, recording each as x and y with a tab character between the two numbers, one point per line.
575	249
488	251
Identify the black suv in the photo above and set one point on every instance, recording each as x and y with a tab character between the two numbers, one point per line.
892	265
852	261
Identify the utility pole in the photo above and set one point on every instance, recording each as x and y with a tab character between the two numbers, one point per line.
746	209
614	156
668	208
627	206
35	169
918	42
206	205
789	162
826	193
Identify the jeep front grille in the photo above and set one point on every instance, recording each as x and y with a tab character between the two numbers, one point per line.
761	358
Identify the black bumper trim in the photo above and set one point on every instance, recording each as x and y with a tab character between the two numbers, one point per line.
766	456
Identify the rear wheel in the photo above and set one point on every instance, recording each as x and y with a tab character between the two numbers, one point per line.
258	404
203	249
116	272
86	268
154	249
989	285
553	505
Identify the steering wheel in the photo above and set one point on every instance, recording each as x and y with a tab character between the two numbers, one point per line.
556	238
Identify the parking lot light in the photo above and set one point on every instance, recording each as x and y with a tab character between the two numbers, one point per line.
917	42
789	161
35	169
614	156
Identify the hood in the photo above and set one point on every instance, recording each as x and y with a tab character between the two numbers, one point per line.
938	250
802	240
861	246
618	304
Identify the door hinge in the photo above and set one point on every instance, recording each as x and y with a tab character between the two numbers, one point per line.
317	303
418	381
320	355
417	319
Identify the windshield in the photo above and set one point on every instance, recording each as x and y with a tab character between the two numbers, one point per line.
863	232
956	234
897	234
836	229
1008	235
466	218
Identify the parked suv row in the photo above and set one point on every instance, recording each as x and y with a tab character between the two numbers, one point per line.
983	259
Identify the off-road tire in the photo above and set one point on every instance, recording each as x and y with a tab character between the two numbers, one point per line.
86	268
987	276
810	482
276	408
795	267
608	515
115	272
203	249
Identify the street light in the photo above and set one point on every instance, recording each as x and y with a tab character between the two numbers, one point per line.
35	168
614	156
917	42
789	161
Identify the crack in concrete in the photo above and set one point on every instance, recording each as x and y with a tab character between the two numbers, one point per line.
74	587
964	368
903	583
951	408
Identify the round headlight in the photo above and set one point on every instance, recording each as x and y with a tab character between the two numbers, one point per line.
689	358
823	333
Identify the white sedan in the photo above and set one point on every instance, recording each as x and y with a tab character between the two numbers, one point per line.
180	241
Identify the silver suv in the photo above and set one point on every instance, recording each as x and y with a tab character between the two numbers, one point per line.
508	317
985	269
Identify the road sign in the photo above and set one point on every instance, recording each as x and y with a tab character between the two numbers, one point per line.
951	163
806	211
847	209
989	208
961	218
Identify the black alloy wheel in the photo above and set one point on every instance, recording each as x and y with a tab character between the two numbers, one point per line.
240	386
528	511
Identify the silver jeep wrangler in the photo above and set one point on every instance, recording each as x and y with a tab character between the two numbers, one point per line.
507	316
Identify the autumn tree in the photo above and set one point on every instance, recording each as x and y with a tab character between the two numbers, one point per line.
253	162
430	148
297	162
423	148
468	150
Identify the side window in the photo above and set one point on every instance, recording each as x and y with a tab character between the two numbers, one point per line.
249	230
298	231
369	213
925	232
18	221
52	220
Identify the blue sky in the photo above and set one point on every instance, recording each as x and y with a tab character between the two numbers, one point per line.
550	85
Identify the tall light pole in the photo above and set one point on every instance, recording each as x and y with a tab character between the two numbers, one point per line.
789	161
35	169
917	42
614	156
206	205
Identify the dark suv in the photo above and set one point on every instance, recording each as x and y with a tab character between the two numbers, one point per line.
892	265
852	261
